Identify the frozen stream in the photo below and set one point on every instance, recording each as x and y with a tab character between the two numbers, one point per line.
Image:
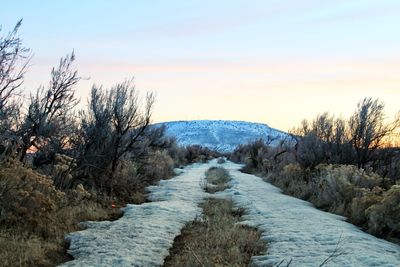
293	229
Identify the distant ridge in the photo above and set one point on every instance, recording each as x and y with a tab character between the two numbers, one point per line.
220	135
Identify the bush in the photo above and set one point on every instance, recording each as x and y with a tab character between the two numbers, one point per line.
310	151
384	217
260	157
196	153
27	198
293	181
159	166
60	169
22	247
334	186
347	191
361	202
177	154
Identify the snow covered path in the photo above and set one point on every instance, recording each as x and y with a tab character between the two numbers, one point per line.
144	235
294	229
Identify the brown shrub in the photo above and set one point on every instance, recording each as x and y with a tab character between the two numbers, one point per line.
363	200
22	247
75	196
335	186
159	165
384	217
132	177
292	180
27	198
197	153
61	171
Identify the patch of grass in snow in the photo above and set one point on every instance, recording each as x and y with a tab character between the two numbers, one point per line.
221	161
216	239
217	179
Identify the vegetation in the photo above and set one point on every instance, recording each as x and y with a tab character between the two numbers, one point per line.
60	165
348	167
216	238
217	179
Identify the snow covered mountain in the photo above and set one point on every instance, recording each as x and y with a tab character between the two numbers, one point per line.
220	135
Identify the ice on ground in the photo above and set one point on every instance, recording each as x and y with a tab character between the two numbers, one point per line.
145	233
295	230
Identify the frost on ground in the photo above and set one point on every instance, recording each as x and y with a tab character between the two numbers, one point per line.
145	233
295	230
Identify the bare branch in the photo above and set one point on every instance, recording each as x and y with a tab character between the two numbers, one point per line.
14	60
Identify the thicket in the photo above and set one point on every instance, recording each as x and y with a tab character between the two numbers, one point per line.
60	165
348	167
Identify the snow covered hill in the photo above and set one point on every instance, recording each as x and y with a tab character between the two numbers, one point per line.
220	135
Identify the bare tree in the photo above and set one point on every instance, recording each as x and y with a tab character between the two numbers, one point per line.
14	59
128	121
49	109
113	125
368	129
341	148
315	141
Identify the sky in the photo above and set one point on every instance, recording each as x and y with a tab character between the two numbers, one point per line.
269	61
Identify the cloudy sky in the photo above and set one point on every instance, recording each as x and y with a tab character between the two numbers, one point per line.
275	62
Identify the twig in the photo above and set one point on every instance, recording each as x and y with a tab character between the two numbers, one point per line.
335	253
194	254
282	261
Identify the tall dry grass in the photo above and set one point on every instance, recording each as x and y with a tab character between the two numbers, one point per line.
22	247
216	238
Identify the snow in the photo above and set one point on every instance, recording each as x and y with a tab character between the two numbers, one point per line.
145	233
295	230
220	135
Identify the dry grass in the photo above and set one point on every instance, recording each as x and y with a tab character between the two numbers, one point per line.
20	248
221	161
217	179
17	249
217	239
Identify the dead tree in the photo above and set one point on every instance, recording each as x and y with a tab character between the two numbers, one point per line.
14	60
49	109
368	129
112	127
